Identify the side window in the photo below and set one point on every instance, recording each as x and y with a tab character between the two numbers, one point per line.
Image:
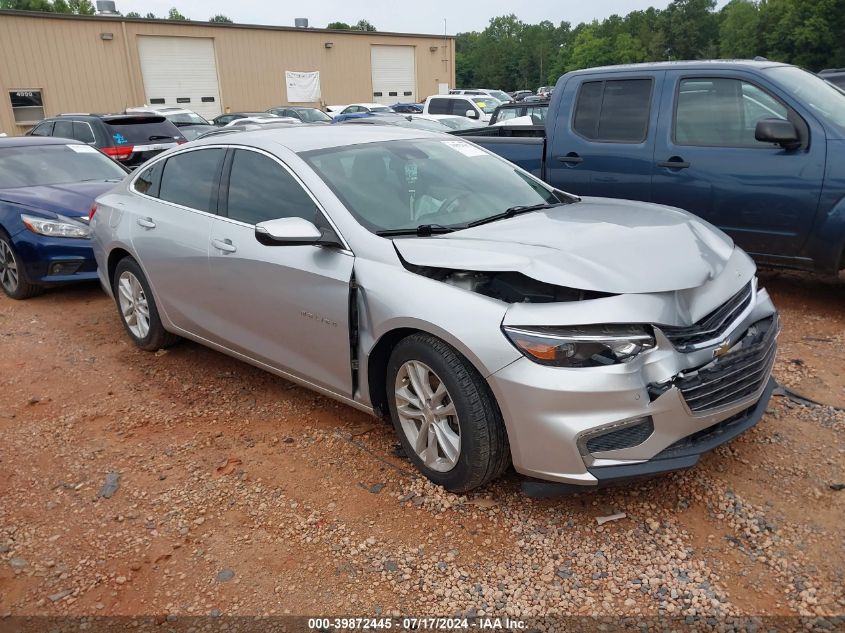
42	129
191	179
614	111
722	112
459	107
440	106
150	180
63	129
260	189
506	114
223	120
82	132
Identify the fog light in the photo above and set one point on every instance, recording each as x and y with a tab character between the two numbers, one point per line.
64	268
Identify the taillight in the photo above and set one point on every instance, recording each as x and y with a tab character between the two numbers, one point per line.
119	153
92	212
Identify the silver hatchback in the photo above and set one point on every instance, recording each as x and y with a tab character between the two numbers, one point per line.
413	275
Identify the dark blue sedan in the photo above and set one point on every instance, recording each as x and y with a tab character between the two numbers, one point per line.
47	188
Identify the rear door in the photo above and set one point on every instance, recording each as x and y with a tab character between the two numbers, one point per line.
170	228
286	306
602	143
708	162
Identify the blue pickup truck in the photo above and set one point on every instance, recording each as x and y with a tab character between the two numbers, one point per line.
755	147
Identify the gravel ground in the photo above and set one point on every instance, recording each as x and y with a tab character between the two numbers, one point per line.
188	483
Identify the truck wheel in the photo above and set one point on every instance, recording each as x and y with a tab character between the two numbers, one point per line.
445	416
137	308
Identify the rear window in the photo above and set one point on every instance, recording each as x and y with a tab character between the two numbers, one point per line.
134	131
36	165
613	111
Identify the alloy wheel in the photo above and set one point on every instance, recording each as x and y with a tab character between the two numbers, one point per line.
428	416
8	268
133	305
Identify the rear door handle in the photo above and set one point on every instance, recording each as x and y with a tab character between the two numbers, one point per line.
676	162
571	158
147	223
224	245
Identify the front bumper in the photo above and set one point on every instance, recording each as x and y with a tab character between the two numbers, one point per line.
551	413
54	260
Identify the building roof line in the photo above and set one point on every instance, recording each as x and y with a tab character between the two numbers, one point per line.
222	25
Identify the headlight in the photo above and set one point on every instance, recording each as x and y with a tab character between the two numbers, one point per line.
582	346
58	227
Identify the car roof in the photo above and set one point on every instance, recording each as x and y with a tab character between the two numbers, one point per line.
705	64
304	138
22	141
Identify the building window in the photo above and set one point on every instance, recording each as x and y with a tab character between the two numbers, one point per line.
27	106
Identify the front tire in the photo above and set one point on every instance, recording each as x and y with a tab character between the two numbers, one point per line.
445	415
12	279
137	308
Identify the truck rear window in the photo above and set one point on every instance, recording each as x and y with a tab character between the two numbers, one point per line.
136	131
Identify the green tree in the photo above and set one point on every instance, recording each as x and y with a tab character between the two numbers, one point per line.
363	25
174	14
133	14
691	29
27	5
739	31
338	26
151	16
222	19
81	7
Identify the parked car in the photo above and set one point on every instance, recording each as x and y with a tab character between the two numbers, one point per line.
407	108
363	108
836	76
755	147
47	189
478	108
266	119
545	91
509	111
416	121
306	115
246	125
228	117
190	124
454	122
411	274
130	139
535	99
519	95
499	95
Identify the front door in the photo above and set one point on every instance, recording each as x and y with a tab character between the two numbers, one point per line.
286	306
708	162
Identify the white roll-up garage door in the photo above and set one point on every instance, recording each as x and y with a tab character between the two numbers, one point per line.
180	72
394	74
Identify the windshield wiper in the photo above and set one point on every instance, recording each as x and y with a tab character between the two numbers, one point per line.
158	137
509	213
423	230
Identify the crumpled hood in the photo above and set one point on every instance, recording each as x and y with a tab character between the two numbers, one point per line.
72	200
602	244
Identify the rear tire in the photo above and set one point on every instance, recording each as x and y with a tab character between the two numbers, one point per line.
446	418
137	308
12	277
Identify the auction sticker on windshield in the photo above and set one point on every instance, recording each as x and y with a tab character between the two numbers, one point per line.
465	148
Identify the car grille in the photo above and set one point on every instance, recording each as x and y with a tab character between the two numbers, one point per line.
625	437
711	327
735	376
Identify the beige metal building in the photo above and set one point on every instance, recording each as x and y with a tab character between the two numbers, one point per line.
51	63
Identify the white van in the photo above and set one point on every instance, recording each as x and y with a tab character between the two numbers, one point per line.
473	107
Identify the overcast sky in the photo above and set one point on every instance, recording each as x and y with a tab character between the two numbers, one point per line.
410	16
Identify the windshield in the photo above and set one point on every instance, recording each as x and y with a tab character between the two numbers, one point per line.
501	96
187	118
35	165
486	104
822	98
402	184
313	115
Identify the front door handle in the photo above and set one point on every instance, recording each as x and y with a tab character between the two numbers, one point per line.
224	245
676	162
571	159
147	223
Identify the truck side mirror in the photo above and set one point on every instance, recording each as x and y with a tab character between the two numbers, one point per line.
779	131
472	114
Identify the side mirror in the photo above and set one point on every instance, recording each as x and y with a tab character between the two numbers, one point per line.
779	131
287	232
472	114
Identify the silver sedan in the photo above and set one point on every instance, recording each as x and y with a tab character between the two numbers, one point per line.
413	275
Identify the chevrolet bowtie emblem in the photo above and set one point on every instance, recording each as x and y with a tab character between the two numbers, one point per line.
724	348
